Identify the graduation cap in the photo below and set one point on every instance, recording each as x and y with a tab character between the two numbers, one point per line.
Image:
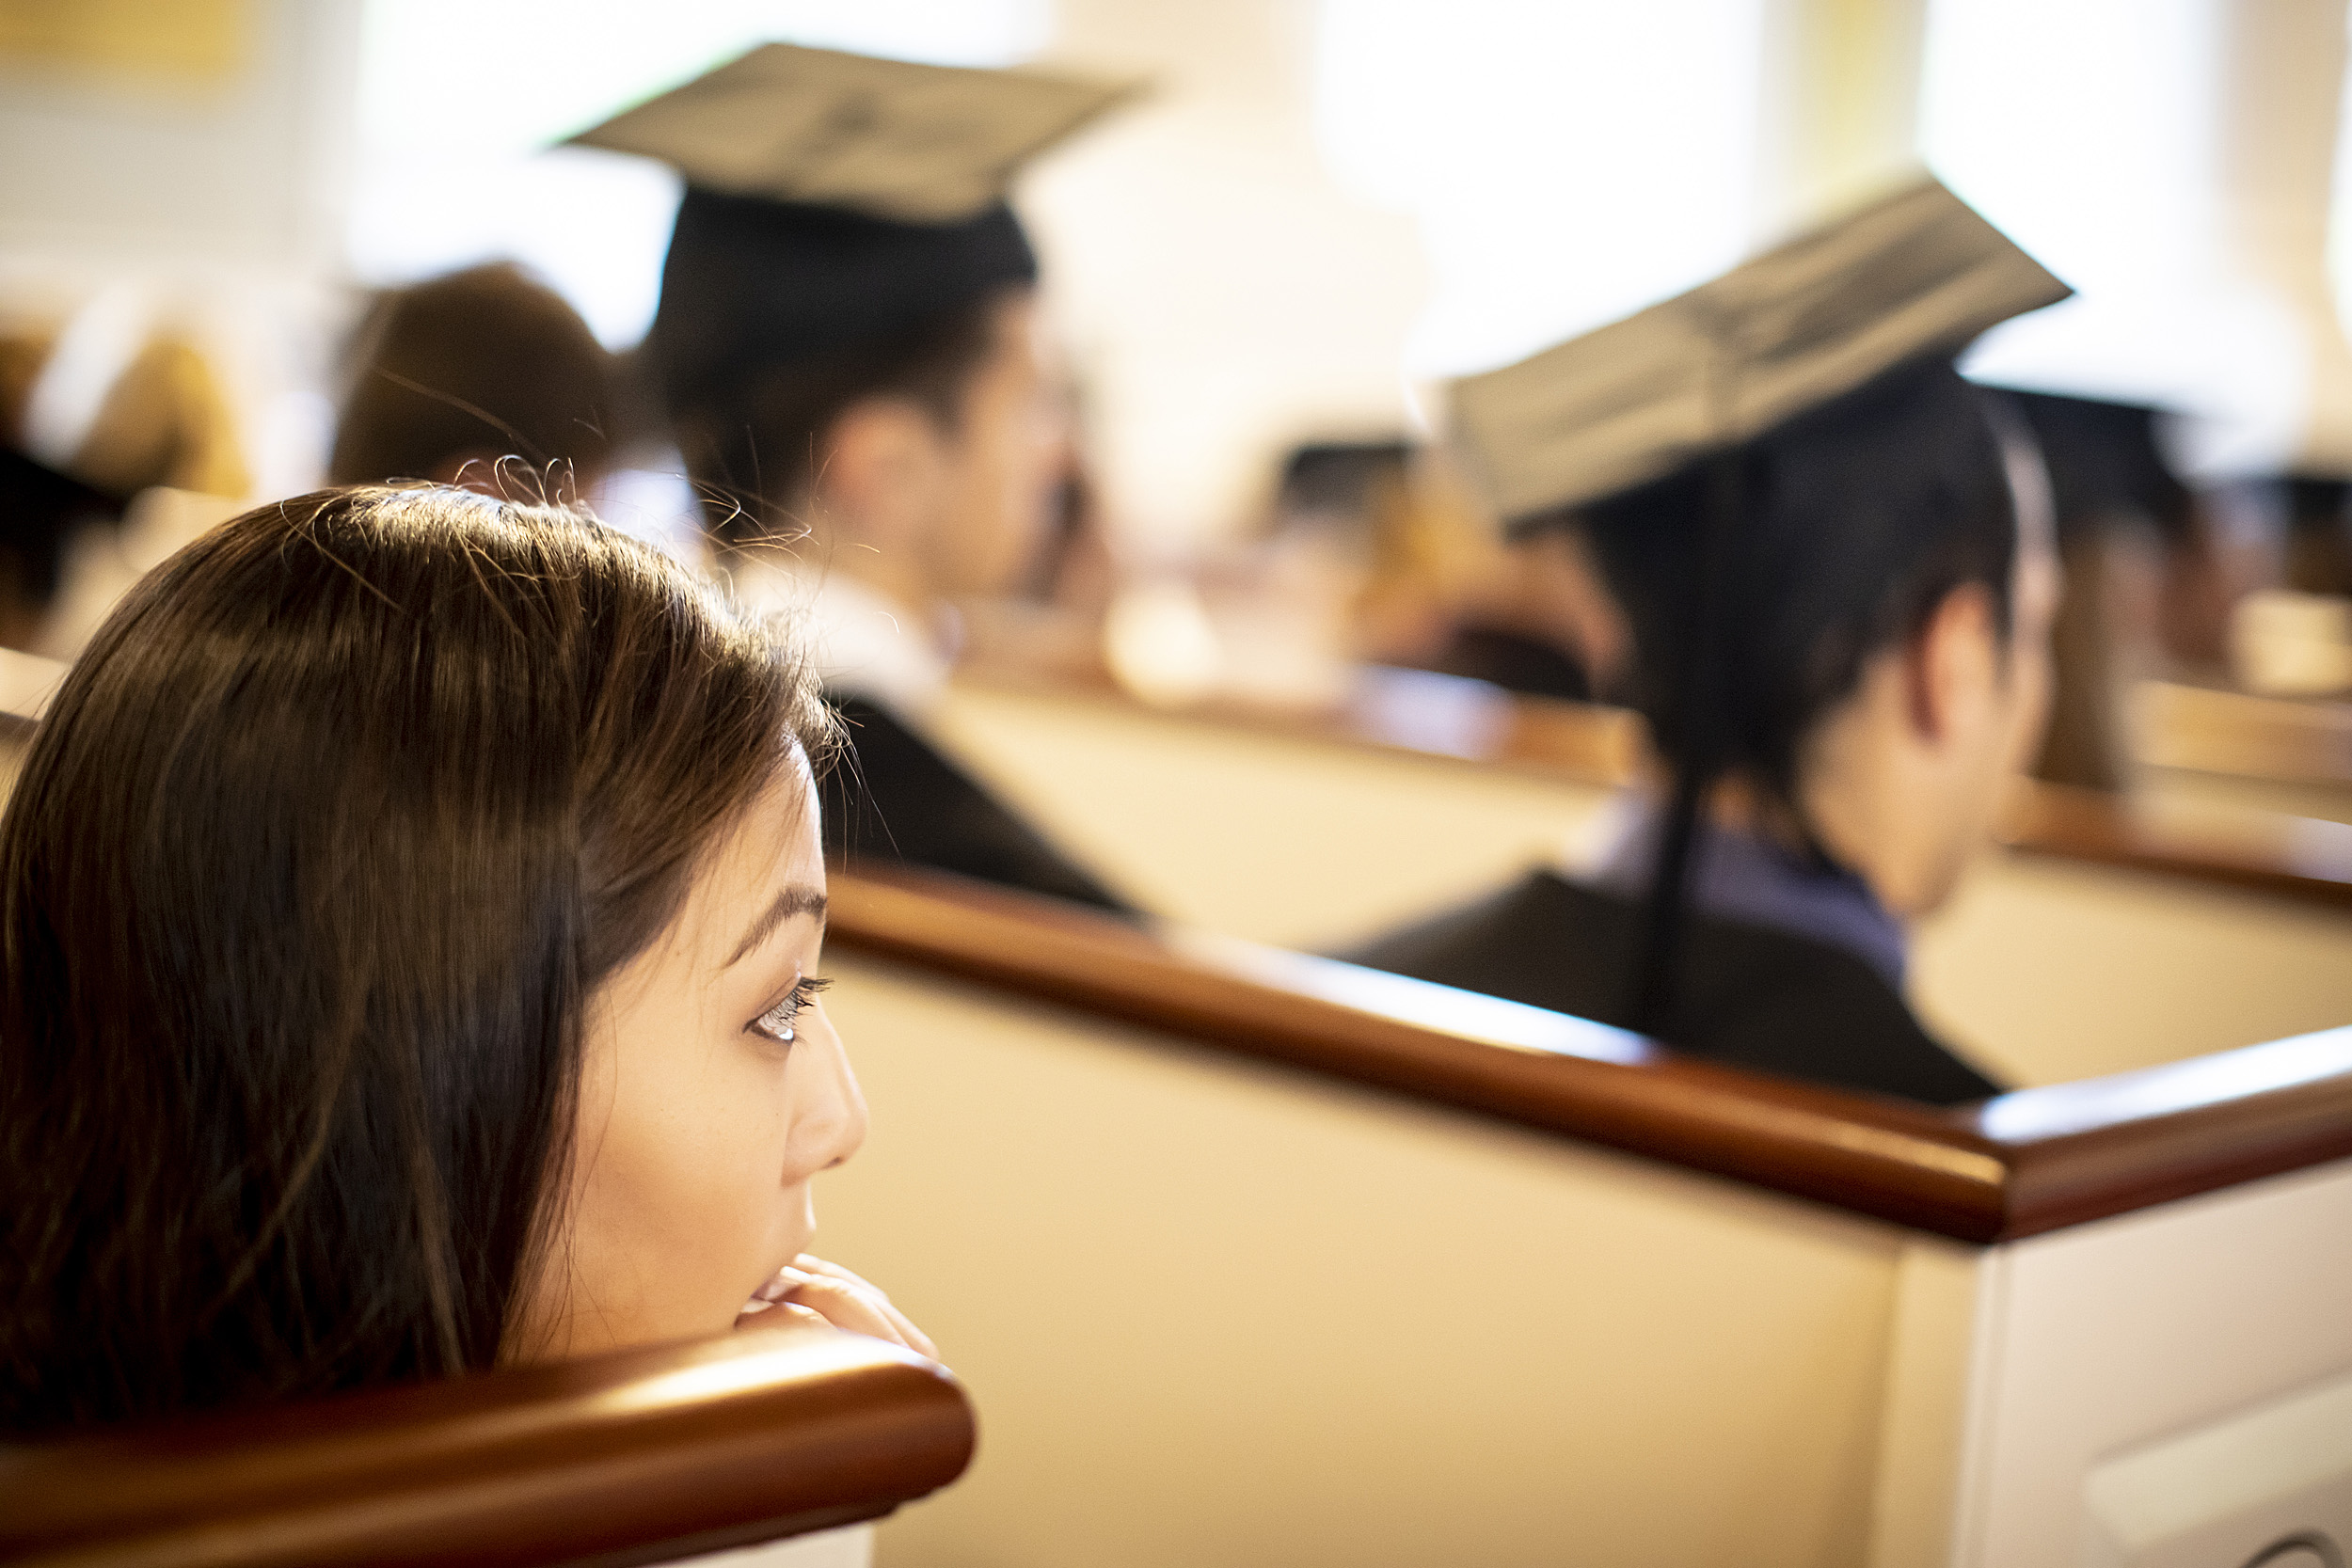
835	199
1912	278
1915	275
2105	458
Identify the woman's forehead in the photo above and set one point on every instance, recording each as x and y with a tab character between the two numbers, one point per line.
770	845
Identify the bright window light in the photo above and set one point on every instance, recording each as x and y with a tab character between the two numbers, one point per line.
1569	161
2090	131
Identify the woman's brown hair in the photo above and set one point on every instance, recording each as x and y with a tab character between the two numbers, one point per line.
308	876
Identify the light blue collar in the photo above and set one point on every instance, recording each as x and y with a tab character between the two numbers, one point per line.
1744	877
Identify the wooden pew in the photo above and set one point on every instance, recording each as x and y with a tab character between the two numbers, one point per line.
645	1456
1419	714
27	681
1259	1258
2282	740
2109	935
1255	1257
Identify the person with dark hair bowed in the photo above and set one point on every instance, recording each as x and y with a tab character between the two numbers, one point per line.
1834	559
459	376
412	905
850	352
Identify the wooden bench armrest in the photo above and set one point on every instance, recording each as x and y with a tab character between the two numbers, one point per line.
640	1457
2033	1161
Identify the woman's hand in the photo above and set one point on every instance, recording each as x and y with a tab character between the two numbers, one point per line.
811	1289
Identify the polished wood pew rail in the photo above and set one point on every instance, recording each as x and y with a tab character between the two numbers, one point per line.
2026	1163
1445	719
642	1457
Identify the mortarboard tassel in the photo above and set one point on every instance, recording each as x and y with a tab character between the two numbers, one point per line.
1695	749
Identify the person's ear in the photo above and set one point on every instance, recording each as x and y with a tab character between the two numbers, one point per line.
882	468
1953	662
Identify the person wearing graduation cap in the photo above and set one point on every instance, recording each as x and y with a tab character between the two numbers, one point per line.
1833	556
849	351
2126	530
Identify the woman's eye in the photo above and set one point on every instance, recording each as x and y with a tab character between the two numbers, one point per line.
779	1022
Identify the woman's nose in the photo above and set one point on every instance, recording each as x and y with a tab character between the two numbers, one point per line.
847	1122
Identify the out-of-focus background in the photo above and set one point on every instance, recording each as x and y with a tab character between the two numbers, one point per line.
1260	276
1321	209
1276	675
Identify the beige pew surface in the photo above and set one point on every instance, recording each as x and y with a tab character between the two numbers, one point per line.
2323	802
1249	1258
2045	970
2286	753
1216	1315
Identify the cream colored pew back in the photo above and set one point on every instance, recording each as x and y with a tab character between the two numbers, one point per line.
1272	838
1221	1313
1257	1258
2103	1342
2047	971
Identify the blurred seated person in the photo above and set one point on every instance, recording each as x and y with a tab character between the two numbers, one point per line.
1378	541
110	461
2121	516
1840	614
1542	624
2318	545
451	376
40	510
850	350
1368	518
1051	623
413	906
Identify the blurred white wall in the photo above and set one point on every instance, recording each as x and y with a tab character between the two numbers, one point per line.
1223	294
186	172
2174	161
1323	204
230	150
1566	164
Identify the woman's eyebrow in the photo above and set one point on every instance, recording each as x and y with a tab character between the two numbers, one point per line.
799	898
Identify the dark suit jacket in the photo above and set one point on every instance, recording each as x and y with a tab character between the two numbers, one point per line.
892	798
1750	996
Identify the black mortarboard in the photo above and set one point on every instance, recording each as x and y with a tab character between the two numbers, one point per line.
1909	278
1339	476
835	199
1915	275
2105	458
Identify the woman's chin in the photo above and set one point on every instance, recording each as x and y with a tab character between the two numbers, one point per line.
798	1232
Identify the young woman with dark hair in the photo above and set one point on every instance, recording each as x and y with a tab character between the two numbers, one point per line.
411	904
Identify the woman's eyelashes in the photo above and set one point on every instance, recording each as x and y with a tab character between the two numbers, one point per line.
780	1023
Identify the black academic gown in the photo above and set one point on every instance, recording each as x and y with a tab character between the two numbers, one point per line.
1750	996
894	799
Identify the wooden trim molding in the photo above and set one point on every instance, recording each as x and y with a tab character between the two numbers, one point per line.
27	682
2294	740
2026	1163
2302	857
640	1457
